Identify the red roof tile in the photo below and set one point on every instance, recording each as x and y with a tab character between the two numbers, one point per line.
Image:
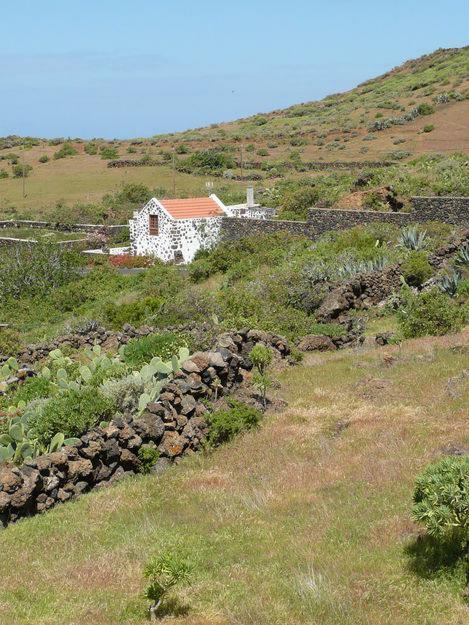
192	208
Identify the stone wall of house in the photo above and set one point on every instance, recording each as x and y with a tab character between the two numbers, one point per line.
175	425
177	239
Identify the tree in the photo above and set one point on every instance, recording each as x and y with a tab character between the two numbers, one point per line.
261	357
163	573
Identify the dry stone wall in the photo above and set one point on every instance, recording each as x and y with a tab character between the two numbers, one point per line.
453	210
176	424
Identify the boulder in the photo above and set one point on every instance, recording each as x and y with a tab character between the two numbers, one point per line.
313	342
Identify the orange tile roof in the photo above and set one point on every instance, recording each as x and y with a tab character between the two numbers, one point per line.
192	208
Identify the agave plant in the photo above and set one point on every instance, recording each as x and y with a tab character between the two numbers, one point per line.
412	239
449	283
462	257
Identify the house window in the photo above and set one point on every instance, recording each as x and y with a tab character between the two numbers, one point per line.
153	225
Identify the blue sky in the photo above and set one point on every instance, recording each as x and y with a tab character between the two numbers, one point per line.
128	68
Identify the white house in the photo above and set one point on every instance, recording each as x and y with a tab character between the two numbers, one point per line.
173	230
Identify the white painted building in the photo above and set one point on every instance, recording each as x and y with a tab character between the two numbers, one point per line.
173	230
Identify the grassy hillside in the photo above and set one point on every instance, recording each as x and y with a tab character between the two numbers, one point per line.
418	108
305	520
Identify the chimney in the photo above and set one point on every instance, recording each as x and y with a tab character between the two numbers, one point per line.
250	197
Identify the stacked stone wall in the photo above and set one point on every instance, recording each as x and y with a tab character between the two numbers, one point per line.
175	425
452	210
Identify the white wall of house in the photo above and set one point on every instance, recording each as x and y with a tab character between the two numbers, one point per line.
181	236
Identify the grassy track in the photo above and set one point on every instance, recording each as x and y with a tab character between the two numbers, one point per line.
304	521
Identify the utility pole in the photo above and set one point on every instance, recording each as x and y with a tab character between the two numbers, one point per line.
24	170
174	172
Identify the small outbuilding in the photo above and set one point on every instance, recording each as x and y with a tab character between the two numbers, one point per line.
173	230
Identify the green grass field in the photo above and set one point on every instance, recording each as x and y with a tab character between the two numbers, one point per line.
306	520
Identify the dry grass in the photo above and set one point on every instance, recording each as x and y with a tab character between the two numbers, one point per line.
305	520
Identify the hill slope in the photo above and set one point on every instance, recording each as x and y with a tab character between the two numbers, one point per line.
420	107
306	520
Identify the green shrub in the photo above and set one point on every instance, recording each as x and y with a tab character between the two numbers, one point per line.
296	203
139	351
9	341
3	174
429	313
200	270
32	388
163	573
73	412
91	148
428	128
66	150
148	455
44	159
136	313
21	169
108	153
226	424
416	269
425	109
49	266
262	152
441	498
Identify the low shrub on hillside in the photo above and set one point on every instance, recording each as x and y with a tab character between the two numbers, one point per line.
139	351
425	108
36	269
21	170
67	149
73	412
441	498
44	159
136	313
416	269
227	424
108	153
429	313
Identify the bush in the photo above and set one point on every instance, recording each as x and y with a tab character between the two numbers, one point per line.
9	341
163	573
429	313
32	388
441	498
136	313
139	351
425	109
226	424
3	174
148	455
108	153
416	269
44	159
21	169
48	266
91	148
200	270
66	150
73	412
428	128
296	203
